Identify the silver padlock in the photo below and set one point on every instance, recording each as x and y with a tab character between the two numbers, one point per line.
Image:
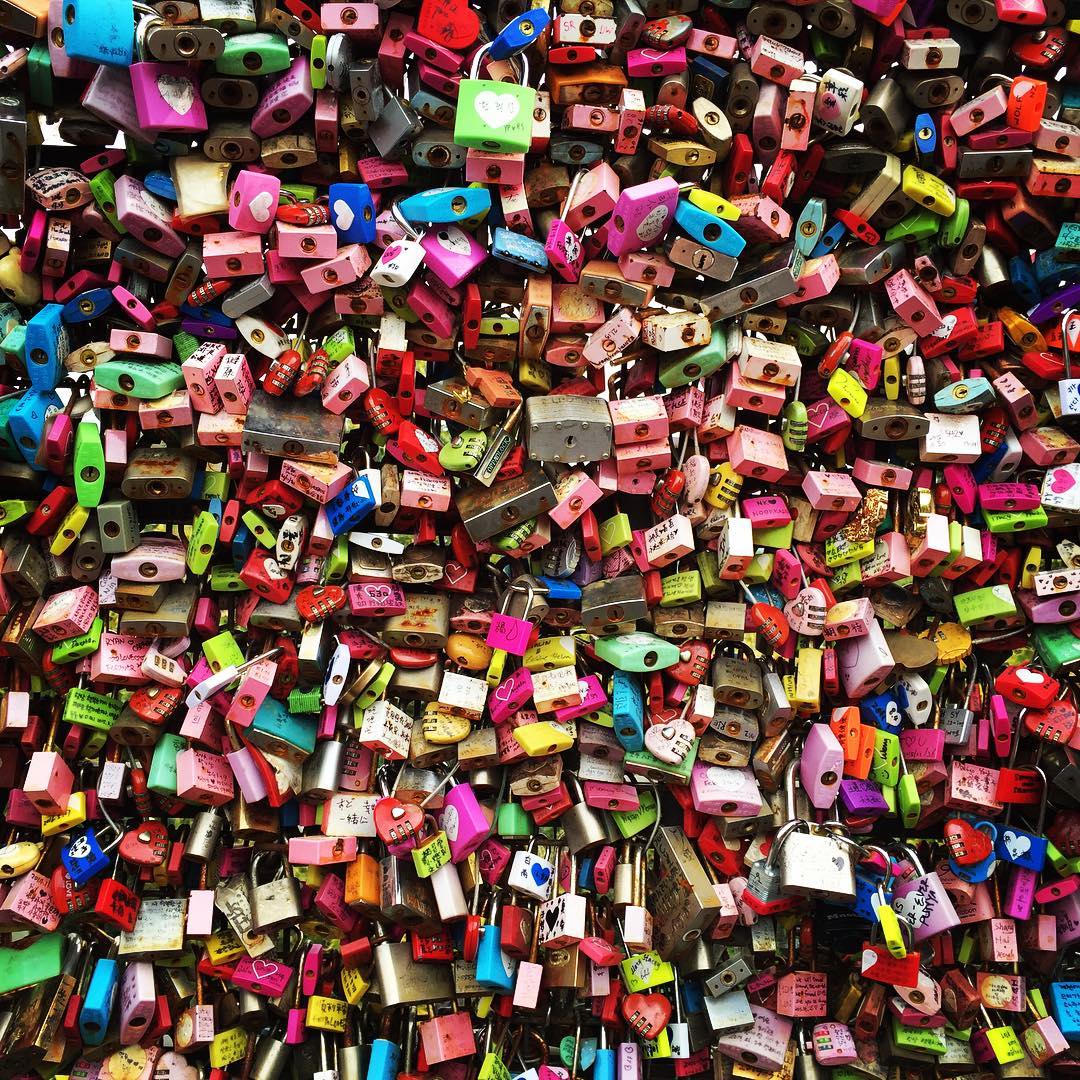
274	903
816	864
568	428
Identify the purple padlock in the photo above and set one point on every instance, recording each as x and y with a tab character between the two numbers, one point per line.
922	902
862	798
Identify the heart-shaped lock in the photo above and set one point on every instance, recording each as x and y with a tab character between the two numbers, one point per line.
670	742
806	613
145	845
450	23
966	844
174	1066
1055	723
647	1014
398	822
68	897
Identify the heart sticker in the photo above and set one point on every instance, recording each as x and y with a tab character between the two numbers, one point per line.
540	874
262	206
451	23
1062	481
670	742
647	1014
178	92
1016	844
343	215
1032	678
911	908
497	110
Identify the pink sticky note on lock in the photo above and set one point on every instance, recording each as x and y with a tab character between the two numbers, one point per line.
509	634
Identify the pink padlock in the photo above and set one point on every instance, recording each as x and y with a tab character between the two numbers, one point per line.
167	97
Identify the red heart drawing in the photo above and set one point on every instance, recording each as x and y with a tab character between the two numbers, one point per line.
966	844
451	23
647	1014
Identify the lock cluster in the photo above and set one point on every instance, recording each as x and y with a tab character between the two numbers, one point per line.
538	540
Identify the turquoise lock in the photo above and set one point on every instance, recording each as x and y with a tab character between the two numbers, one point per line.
708	229
637	652
100	31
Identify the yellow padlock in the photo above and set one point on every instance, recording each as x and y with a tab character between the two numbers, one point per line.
928	191
545	737
326	1013
847	392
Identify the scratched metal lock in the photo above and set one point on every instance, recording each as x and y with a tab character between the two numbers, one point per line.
274	903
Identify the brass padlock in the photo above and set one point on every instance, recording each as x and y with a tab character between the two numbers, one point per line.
736	676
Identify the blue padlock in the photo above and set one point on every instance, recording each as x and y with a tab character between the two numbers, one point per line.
519	33
383	1060
705	73
161	184
350	506
830	238
46	346
884	710
519	250
100	31
628	710
560	589
27	422
84	858
445	206
352	213
1024	280
87	305
243	544
1065	1008
1020	847
925	135
494	969
715	233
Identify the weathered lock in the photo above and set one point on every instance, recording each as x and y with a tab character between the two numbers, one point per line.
736	677
274	903
608	604
568	428
493	115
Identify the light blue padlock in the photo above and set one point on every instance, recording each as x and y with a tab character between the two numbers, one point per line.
100	31
99	1001
628	710
27	422
715	233
445	206
46	346
519	250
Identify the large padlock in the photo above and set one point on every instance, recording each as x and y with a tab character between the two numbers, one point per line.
493	115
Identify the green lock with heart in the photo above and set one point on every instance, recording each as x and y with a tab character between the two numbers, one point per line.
493	115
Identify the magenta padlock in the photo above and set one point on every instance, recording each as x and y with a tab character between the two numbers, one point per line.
922	902
463	820
253	201
452	254
167	97
376	599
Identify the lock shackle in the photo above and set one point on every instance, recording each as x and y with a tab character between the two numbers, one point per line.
474	68
780	838
409	229
1068	316
909	853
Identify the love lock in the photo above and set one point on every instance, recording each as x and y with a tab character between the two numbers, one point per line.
146	844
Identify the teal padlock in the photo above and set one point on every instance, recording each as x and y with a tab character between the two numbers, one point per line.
493	115
637	652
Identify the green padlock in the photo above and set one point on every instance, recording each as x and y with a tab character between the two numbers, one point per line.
90	710
89	470
693	364
259	53
162	775
337	561
885	765
1012	521
512	820
637	652
141	379
494	115
201	543
992	602
75	648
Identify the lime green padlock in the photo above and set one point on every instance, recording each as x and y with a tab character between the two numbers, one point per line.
494	115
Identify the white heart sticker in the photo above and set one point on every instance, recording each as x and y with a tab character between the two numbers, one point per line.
1016	844
177	92
343	215
1026	675
497	110
261	206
